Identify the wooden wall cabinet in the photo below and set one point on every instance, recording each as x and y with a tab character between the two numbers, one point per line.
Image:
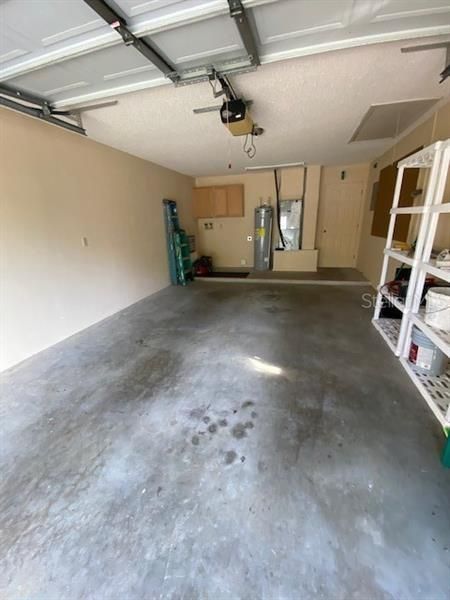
220	205
218	201
202	202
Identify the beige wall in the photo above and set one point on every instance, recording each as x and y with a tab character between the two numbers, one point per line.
227	241
370	254
56	188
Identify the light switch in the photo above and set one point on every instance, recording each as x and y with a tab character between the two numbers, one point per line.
84	242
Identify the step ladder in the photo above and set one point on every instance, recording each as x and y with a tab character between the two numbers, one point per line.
180	264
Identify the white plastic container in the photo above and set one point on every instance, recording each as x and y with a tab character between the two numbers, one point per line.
437	310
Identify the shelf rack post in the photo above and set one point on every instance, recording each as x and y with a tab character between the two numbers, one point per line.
425	237
390	236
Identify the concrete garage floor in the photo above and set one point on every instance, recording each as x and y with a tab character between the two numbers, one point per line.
222	441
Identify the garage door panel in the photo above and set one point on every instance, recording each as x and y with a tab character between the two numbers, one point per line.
37	27
212	37
117	65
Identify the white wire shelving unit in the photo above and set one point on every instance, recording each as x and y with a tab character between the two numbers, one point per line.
397	332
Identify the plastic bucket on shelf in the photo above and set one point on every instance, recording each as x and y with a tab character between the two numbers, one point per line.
437	310
425	355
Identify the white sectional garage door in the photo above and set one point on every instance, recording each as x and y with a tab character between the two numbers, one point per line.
64	51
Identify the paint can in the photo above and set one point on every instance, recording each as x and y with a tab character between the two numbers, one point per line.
425	355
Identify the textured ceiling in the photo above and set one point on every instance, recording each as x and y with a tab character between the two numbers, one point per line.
309	108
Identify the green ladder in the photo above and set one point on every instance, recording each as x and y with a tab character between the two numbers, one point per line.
180	264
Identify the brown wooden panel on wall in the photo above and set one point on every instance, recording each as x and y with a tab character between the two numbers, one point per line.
202	202
235	200
219	201
386	184
386	187
409	185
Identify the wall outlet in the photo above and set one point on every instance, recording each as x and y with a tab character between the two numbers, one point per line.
243	262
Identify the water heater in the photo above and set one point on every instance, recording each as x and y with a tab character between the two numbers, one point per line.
263	237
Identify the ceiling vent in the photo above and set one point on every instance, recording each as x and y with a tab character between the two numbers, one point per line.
383	121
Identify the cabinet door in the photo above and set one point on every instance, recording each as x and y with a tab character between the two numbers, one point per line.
220	201
202	203
235	200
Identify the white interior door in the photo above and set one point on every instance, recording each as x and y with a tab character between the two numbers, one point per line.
340	211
